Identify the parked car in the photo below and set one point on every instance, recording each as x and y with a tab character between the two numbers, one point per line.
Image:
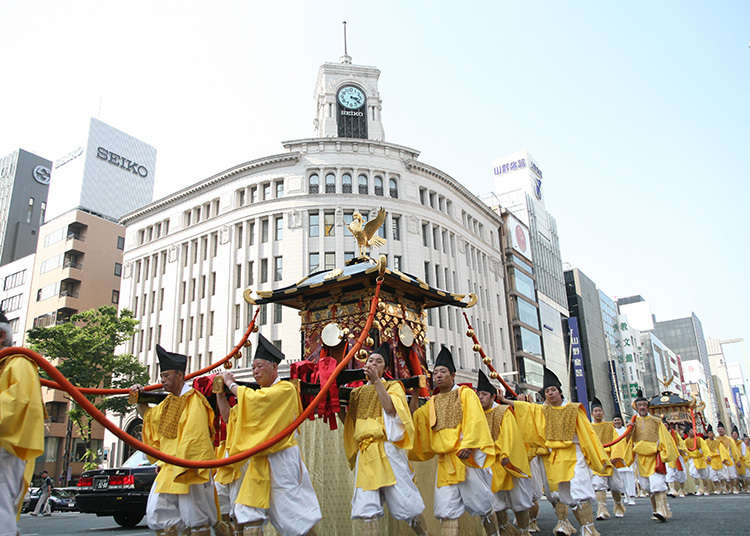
61	500
121	492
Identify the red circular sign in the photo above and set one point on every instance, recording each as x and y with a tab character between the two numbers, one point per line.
520	238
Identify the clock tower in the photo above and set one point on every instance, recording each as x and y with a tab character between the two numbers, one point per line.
347	102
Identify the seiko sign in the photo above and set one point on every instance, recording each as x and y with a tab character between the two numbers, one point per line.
41	174
121	162
353	113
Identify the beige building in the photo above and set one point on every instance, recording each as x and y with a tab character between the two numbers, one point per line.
77	267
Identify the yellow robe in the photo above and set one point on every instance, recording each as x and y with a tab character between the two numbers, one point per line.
560	454
648	438
741	463
679	445
699	454
505	432
718	453
364	432
259	415
466	429
619	454
21	413
734	453
191	439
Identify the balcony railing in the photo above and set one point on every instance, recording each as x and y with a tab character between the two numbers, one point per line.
68	293
72	263
75	236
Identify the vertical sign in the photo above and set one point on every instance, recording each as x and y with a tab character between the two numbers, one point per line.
738	400
614	387
576	359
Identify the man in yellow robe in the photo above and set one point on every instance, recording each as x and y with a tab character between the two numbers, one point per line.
378	434
626	473
452	426
741	465
572	452
676	473
746	461
718	458
610	477
274	485
735	459
509	476
696	451
21	429
181	425
653	448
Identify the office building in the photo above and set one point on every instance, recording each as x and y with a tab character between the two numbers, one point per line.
24	184
15	290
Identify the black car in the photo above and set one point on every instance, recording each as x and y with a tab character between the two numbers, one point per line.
61	500
121	493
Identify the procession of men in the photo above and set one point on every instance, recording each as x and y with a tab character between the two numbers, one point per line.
496	455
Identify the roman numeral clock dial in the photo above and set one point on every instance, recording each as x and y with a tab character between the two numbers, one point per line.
352	114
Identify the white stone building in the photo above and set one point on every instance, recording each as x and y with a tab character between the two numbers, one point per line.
15	290
267	223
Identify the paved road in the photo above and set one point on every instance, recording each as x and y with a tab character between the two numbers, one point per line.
727	515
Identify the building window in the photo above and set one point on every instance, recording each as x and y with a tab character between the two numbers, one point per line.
14	280
238	235
264	230
427	272
277	269
30	210
238	276
42	212
362	181
397	262
118	269
328	224
277	313
423	197
251	233
313	184
330	183
348	255
396	227
266	191
330	260
250	277
378	185
279	189
277	344
263	315
425	234
254	194
314	262
278	227
393	188
120	242
348	218
313	224
346	183
264	270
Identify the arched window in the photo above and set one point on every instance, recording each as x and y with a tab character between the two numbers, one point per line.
378	185
346	183
313	183
363	189
393	187
330	183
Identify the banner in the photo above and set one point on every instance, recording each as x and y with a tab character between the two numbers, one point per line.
614	387
576	359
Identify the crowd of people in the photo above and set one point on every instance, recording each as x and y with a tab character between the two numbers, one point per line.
496	455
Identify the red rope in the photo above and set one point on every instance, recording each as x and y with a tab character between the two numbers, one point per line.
208	368
493	373
92	410
625	434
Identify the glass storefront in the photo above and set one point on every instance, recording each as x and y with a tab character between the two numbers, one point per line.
523	284
533	372
528	341
527	313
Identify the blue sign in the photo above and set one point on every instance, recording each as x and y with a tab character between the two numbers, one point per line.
576	358
510	166
738	400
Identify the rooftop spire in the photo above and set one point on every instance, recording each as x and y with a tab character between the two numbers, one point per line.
346	58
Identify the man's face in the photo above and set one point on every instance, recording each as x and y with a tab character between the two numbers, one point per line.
265	372
617	421
3	338
642	408
722	431
711	434
598	414
377	361
486	399
173	381
690	432
553	395
735	435
442	378
747	441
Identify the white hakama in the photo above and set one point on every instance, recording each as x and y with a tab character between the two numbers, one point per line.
187	510
473	495
11	484
579	489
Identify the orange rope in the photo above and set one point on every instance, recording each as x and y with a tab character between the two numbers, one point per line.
487	361
97	391
92	410
625	434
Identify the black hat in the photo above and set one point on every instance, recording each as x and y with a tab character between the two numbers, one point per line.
639	396
735	429
445	359
3	318
720	425
170	360
595	403
385	350
267	351
551	380
709	428
483	384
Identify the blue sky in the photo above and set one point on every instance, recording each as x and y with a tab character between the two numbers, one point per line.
637	112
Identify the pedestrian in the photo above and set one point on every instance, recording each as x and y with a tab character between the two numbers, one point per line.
378	434
21	429
452	426
181	499
43	504
274	485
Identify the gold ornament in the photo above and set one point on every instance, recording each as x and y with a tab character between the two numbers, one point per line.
238	355
470	333
369	341
256	329
363	354
228	365
477	348
366	232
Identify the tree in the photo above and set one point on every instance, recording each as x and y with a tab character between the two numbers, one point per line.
85	347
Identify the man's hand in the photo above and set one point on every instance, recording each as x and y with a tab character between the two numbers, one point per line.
136	388
616	461
371	372
228	378
463	453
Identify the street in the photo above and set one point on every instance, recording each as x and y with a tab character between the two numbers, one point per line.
693	516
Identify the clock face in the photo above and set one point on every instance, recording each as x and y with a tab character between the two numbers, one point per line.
351	97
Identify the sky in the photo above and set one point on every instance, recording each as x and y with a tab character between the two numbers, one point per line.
637	112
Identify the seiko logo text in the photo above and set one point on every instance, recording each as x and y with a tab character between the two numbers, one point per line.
121	162
352	113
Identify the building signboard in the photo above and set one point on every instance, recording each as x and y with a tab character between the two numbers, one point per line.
576	358
519	237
